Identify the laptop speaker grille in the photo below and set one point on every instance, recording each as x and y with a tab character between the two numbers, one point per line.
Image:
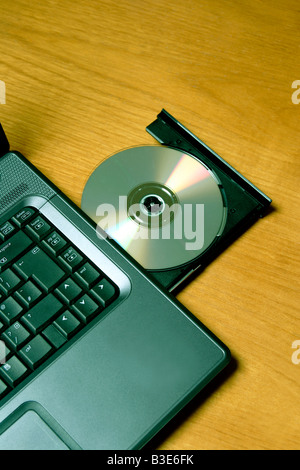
17	180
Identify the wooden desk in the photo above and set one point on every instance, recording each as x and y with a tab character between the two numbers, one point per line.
84	78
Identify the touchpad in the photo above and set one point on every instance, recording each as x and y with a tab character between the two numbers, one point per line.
30	432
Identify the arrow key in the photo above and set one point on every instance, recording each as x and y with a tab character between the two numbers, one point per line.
67	324
86	308
104	292
68	291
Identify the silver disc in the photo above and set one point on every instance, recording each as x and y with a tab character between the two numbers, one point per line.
163	206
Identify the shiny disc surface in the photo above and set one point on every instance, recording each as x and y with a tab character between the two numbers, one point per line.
163	206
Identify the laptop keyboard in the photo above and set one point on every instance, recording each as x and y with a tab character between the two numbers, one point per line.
49	291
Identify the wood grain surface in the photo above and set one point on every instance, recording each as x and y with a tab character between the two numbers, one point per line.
83	79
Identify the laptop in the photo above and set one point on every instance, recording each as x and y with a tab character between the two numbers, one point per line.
94	353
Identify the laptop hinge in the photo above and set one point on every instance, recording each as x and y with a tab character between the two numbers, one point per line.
4	144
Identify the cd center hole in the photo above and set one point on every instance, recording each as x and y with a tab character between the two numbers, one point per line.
153	204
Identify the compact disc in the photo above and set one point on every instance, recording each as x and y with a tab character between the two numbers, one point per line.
163	206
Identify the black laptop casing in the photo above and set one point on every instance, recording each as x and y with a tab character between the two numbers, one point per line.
117	383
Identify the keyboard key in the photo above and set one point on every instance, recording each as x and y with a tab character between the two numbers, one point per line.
10	310
71	259
40	267
42	313
23	216
67	324
9	281
13	248
104	292
35	352
87	275
28	294
6	230
13	371
54	243
54	336
16	336
68	291
86	308
3	389
38	227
